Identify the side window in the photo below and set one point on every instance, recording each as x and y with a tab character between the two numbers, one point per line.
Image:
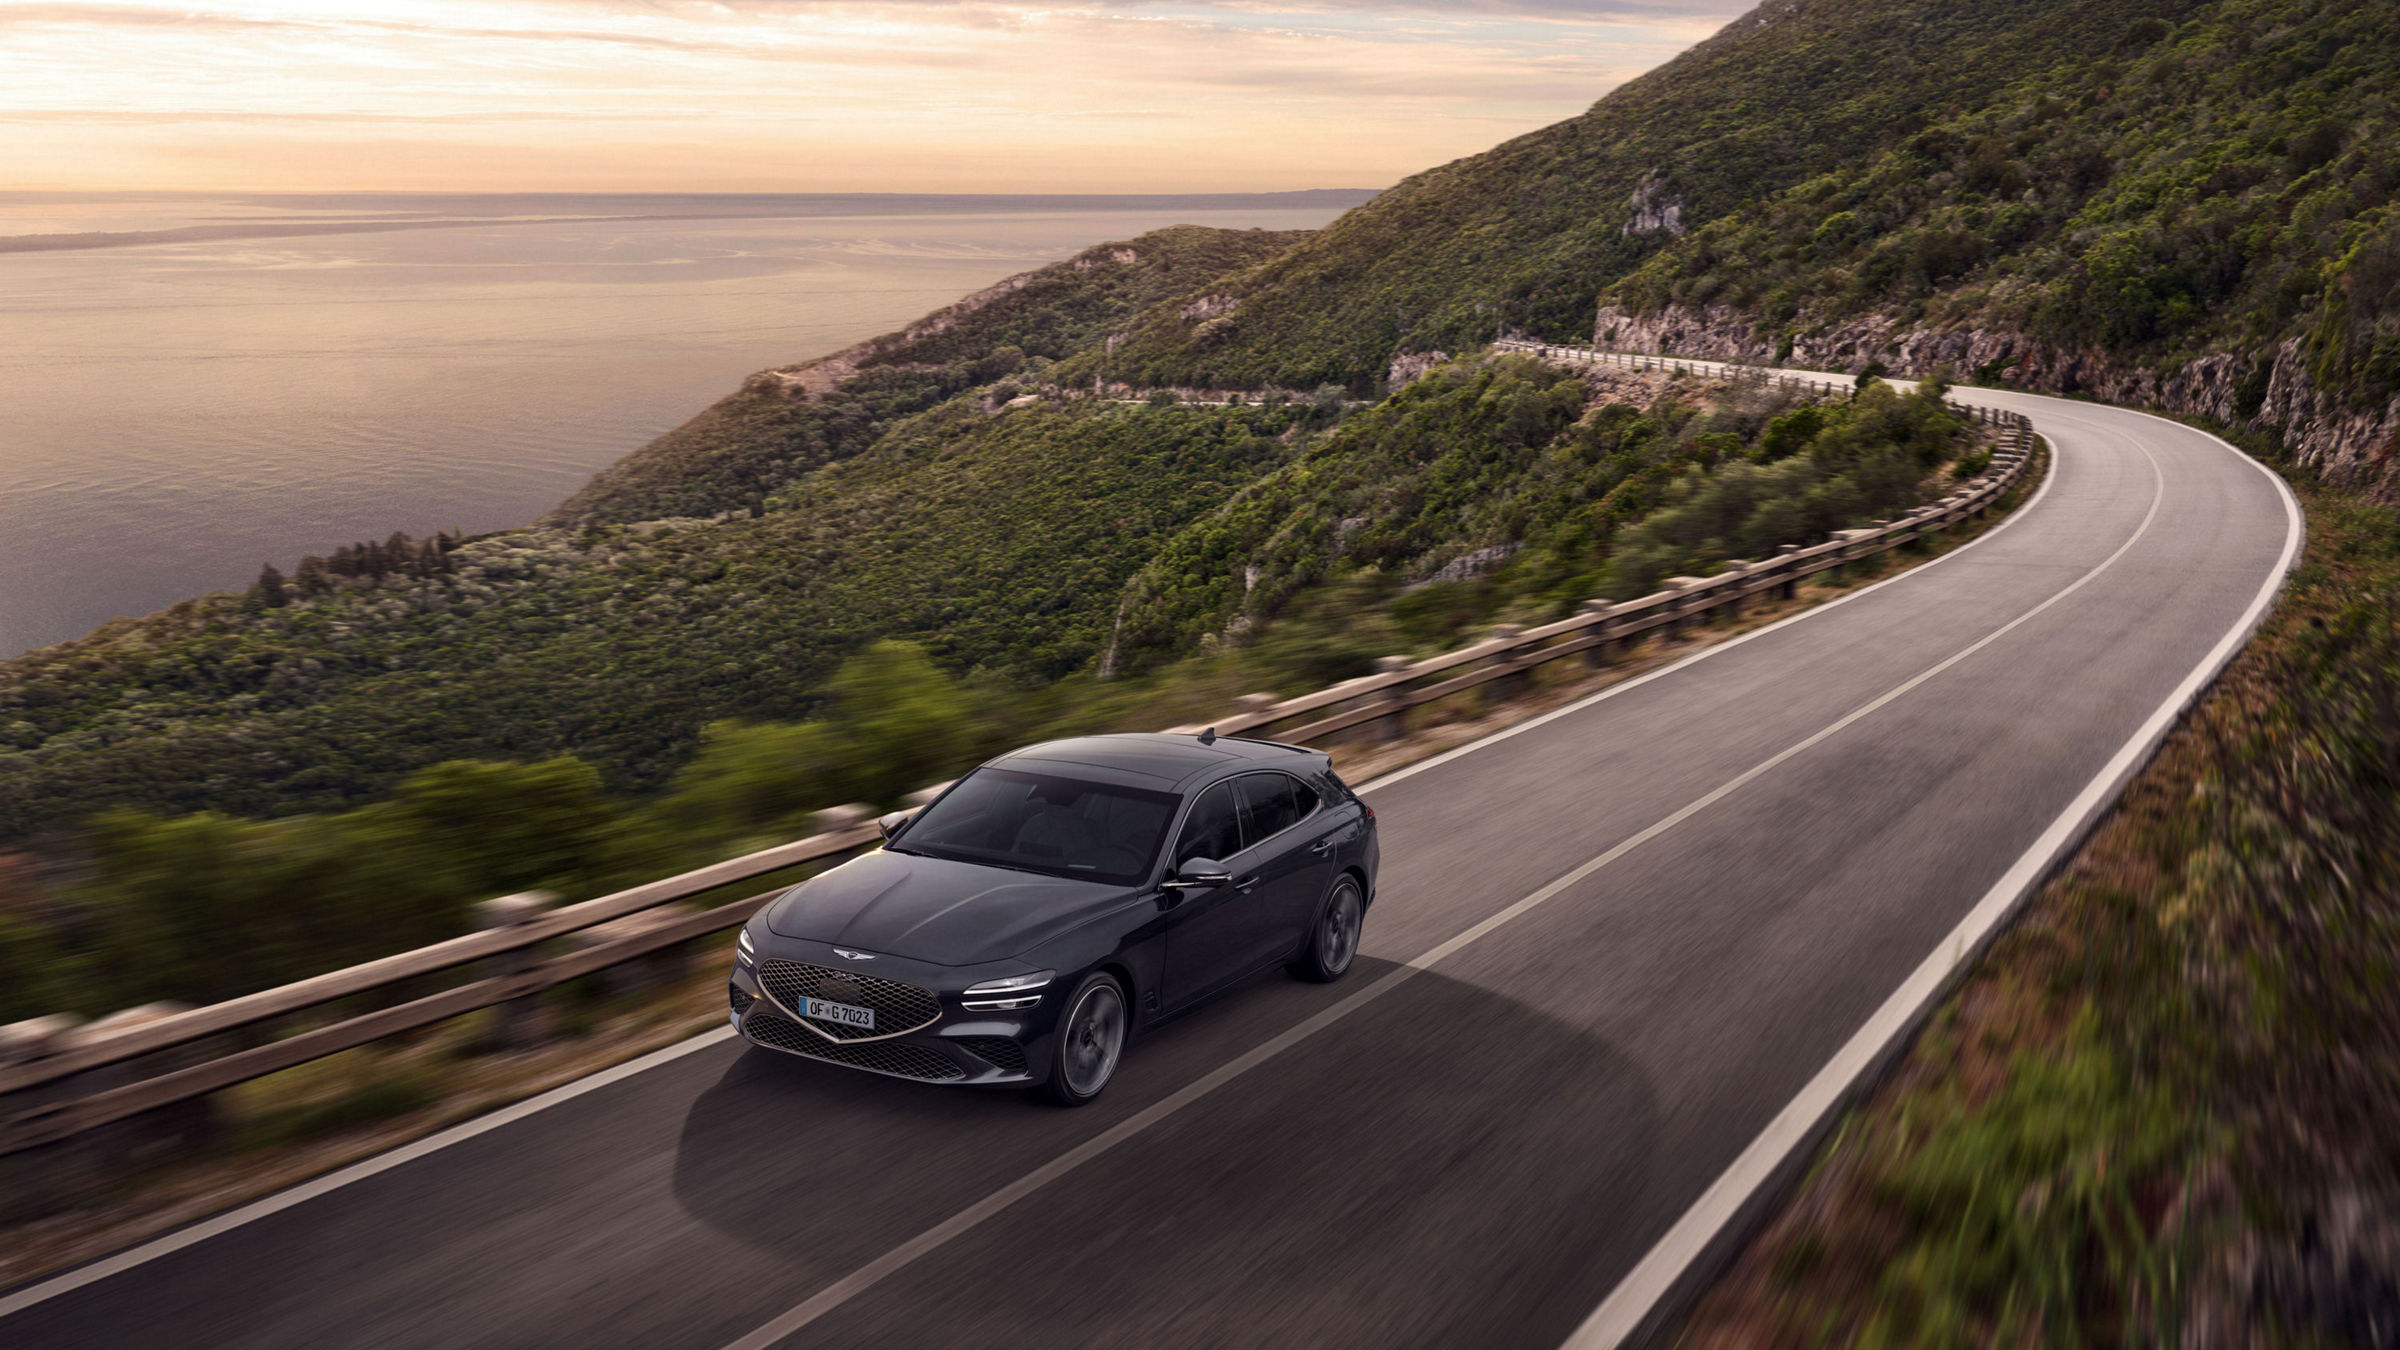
1213	830
1277	802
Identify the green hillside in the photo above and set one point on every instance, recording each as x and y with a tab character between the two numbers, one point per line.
2218	186
784	423
1524	235
1505	485
1000	540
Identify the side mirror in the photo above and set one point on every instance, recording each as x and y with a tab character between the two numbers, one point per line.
890	824
1198	874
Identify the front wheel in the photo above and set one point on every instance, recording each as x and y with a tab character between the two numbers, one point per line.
1333	943
1090	1041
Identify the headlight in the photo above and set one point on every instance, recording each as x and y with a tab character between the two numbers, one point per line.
743	952
1017	991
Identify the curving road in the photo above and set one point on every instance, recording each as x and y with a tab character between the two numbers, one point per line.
1624	958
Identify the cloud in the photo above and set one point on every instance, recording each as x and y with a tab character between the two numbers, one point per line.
899	94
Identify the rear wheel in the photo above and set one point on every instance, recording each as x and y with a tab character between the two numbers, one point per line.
1333	943
1090	1041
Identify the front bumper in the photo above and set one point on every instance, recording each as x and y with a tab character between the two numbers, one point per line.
958	1047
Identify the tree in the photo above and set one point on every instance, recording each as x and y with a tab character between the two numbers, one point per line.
270	592
508	827
907	724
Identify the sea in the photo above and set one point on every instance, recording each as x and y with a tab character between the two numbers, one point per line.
192	386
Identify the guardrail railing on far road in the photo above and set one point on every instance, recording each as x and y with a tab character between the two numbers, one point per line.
67	1085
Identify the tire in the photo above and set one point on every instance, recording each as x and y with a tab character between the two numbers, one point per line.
1333	940
1090	1041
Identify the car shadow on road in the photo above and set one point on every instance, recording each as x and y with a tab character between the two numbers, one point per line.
1442	1152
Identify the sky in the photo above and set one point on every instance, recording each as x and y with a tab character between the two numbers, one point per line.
798	95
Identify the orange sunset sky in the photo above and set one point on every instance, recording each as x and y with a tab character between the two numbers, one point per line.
797	95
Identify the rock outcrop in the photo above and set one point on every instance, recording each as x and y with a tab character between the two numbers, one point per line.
2351	445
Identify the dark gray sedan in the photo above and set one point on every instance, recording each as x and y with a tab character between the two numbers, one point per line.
1022	927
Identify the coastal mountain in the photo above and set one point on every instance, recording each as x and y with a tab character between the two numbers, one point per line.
2198	217
1524	235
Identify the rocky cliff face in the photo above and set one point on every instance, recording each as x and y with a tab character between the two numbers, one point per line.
2357	447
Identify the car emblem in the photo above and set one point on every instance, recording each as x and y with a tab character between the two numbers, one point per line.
849	955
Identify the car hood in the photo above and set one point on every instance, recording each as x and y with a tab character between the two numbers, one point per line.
932	909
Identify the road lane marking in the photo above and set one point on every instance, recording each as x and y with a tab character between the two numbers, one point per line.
841	1291
1628	1310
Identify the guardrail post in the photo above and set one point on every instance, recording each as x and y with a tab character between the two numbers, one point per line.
521	1022
1516	684
1354	703
1679	614
1393	725
651	970
1789	587
39	1181
51	1177
1849	554
837	818
1603	634
1733	597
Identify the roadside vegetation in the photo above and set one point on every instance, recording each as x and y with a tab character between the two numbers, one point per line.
1494	489
1504	485
2159	1110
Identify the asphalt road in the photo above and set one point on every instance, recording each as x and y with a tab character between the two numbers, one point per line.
1477	1153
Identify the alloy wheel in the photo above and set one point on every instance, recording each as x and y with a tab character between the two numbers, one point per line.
1337	937
1093	1038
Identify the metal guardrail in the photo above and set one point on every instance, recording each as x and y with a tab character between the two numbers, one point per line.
61	1079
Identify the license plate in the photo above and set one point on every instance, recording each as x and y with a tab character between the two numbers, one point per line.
842	1013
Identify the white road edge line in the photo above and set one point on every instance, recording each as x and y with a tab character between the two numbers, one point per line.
201	1231
858	1281
358	1171
1629	1308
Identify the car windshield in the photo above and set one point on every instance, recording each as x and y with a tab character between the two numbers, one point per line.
1061	826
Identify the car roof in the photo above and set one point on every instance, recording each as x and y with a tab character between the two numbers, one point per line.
1155	760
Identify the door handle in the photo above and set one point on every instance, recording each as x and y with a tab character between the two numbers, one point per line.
1322	846
1246	883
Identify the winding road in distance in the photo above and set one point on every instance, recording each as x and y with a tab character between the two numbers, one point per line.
1623	957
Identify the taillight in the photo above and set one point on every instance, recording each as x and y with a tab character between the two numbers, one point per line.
1362	805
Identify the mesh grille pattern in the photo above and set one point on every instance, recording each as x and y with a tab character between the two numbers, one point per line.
898	1007
900	1060
740	997
1000	1050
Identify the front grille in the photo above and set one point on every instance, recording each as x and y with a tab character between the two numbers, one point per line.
740	997
903	1061
1000	1050
898	1007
